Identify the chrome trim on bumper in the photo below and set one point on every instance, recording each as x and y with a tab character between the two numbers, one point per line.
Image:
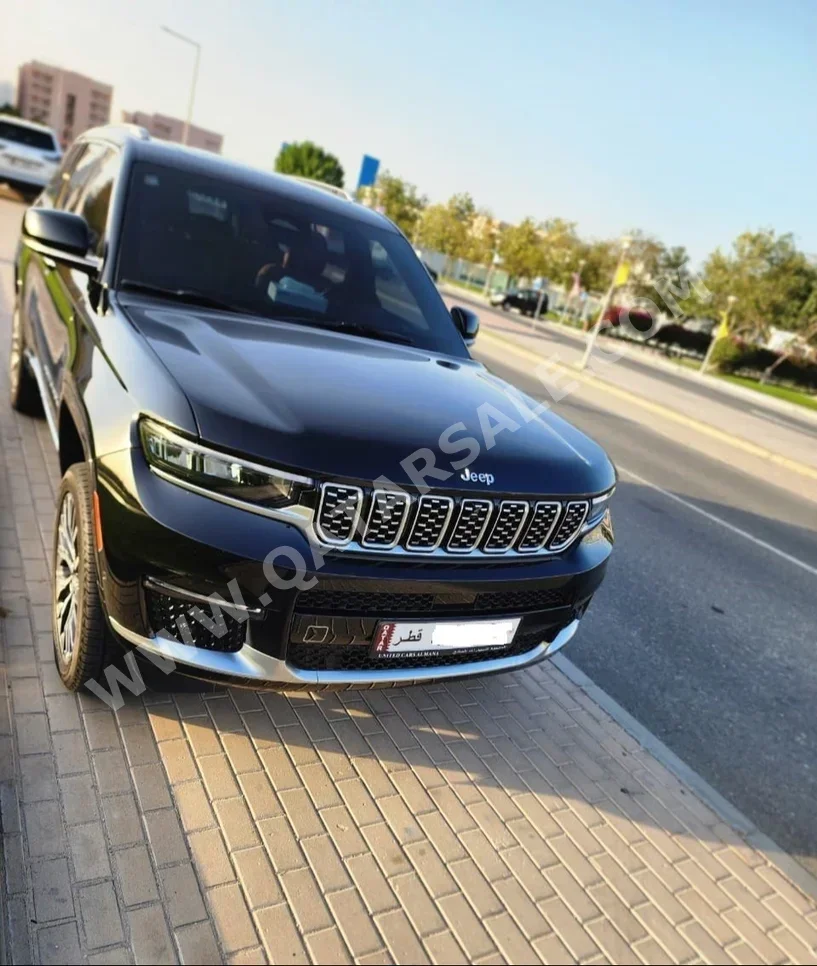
153	583
257	666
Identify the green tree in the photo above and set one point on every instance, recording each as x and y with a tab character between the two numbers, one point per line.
561	248
463	207
440	230
482	237
770	279
523	255
445	228
599	259
399	201
805	334
8	108
662	275
309	161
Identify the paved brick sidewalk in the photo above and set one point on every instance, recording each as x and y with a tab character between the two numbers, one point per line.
503	820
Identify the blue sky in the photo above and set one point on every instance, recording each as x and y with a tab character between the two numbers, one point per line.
691	120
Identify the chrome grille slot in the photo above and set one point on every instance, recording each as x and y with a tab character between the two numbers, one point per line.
470	526
430	521
507	525
571	522
540	527
338	512
387	517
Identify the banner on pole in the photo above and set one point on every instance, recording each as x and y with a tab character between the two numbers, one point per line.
622	274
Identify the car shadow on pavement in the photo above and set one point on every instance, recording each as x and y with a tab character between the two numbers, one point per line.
528	756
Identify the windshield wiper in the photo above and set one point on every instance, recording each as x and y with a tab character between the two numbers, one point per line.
367	331
188	295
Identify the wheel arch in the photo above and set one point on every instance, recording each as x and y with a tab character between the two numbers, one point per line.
75	443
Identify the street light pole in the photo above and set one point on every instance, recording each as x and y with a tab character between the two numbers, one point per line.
569	299
716	337
189	119
594	332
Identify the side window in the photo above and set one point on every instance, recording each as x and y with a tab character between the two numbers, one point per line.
84	168
95	199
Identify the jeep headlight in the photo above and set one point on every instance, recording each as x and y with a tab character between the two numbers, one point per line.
599	505
221	475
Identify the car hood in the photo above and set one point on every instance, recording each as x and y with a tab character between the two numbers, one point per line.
334	404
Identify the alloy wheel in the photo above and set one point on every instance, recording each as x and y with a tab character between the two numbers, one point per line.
66	579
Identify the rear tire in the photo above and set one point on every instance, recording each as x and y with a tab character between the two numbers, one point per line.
24	395
78	620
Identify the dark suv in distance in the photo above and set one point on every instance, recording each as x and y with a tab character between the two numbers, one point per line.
524	299
281	465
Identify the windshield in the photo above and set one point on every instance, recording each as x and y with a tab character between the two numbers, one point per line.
272	256
29	136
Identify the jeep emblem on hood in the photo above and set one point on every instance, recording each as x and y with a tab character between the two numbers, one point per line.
471	477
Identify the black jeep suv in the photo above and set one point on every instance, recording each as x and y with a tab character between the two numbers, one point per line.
281	465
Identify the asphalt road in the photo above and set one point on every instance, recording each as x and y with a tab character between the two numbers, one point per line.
706	628
708	392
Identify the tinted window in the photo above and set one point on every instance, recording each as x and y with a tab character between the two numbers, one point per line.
95	198
270	255
30	137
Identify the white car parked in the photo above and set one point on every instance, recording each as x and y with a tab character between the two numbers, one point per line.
29	153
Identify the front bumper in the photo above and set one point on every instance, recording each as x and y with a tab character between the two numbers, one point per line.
158	534
28	178
249	667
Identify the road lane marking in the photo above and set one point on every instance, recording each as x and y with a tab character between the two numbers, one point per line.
724	523
660	410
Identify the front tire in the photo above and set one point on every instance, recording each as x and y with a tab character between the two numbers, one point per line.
23	393
78	621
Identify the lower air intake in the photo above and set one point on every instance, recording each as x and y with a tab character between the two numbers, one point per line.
175	617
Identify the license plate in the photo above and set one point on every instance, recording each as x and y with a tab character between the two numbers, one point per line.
396	638
23	162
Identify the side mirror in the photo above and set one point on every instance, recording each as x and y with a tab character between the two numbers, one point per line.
60	235
467	322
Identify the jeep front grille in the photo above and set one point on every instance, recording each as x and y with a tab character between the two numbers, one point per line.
430	521
540	527
471	524
391	520
388	511
571	523
339	512
507	525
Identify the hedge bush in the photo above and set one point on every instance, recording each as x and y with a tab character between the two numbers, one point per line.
729	355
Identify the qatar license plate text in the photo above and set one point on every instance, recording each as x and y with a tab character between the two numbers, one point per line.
393	639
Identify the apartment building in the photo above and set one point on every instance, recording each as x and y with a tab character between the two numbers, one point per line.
66	101
172	129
